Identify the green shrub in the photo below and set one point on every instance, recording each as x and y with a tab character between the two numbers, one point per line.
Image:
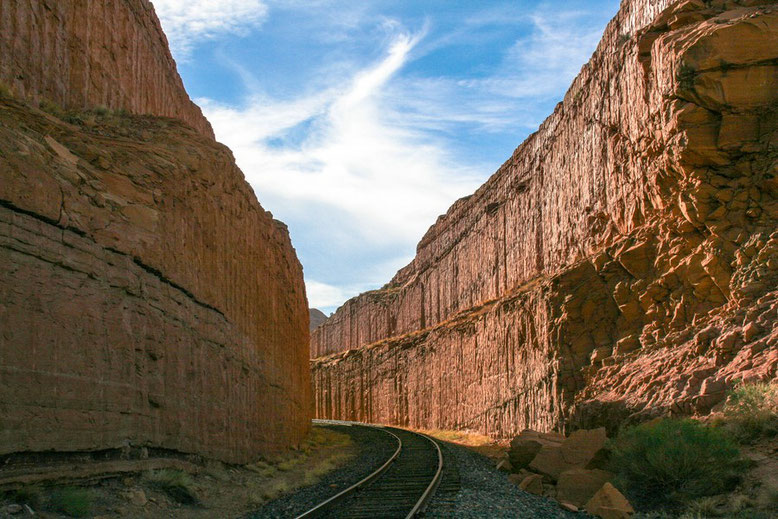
75	502
175	483
27	495
51	108
667	463
101	110
751	411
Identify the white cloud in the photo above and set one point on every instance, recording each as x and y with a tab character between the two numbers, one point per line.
322	295
380	181
363	160
186	22
535	68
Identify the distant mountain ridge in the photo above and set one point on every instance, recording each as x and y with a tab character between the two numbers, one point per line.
316	318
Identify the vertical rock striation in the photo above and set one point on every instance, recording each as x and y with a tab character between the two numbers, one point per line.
575	282
146	298
87	53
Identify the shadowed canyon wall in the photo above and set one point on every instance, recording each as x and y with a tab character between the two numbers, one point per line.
146	298
620	264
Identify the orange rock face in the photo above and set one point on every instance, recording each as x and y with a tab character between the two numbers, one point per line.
621	263
81	54
146	298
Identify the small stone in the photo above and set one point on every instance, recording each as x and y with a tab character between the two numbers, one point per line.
516	479
136	496
750	332
14	509
504	466
570	507
712	385
532	484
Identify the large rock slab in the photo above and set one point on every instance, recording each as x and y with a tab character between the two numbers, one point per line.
576	452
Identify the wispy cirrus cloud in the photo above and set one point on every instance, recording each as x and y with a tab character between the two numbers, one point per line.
358	131
187	22
346	174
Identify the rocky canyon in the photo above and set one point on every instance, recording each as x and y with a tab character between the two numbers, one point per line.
621	264
147	301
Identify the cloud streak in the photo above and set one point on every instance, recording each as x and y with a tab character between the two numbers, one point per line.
187	22
358	132
379	182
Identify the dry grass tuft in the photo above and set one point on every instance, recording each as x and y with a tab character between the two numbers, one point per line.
751	411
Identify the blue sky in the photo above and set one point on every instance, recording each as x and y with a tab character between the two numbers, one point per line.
358	122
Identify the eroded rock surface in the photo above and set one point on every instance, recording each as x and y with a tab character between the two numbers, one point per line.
146	298
622	263
79	54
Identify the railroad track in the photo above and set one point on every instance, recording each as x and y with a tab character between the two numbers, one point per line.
400	488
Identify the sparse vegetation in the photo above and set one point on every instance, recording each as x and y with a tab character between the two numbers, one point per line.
476	442
101	110
51	108
751	411
672	462
27	495
175	483
273	489
5	91
71	501
216	490
685	77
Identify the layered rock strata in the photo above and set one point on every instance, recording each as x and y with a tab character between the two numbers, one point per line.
146	298
595	275
83	54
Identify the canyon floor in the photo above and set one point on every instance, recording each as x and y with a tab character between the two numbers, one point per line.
206	489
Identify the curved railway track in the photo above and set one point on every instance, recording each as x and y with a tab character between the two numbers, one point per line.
400	488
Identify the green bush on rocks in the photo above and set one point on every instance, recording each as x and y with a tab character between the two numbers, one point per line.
667	463
751	411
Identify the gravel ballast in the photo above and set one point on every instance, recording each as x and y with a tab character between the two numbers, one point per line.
485	492
471	487
374	448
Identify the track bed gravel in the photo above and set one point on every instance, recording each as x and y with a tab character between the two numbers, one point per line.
470	488
484	492
374	448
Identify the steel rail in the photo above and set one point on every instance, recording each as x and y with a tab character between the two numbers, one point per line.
433	486
421	503
353	488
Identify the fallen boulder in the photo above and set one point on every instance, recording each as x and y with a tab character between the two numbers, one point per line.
578	486
609	503
576	452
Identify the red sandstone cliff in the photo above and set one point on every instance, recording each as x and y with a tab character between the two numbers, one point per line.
611	266
146	298
83	53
